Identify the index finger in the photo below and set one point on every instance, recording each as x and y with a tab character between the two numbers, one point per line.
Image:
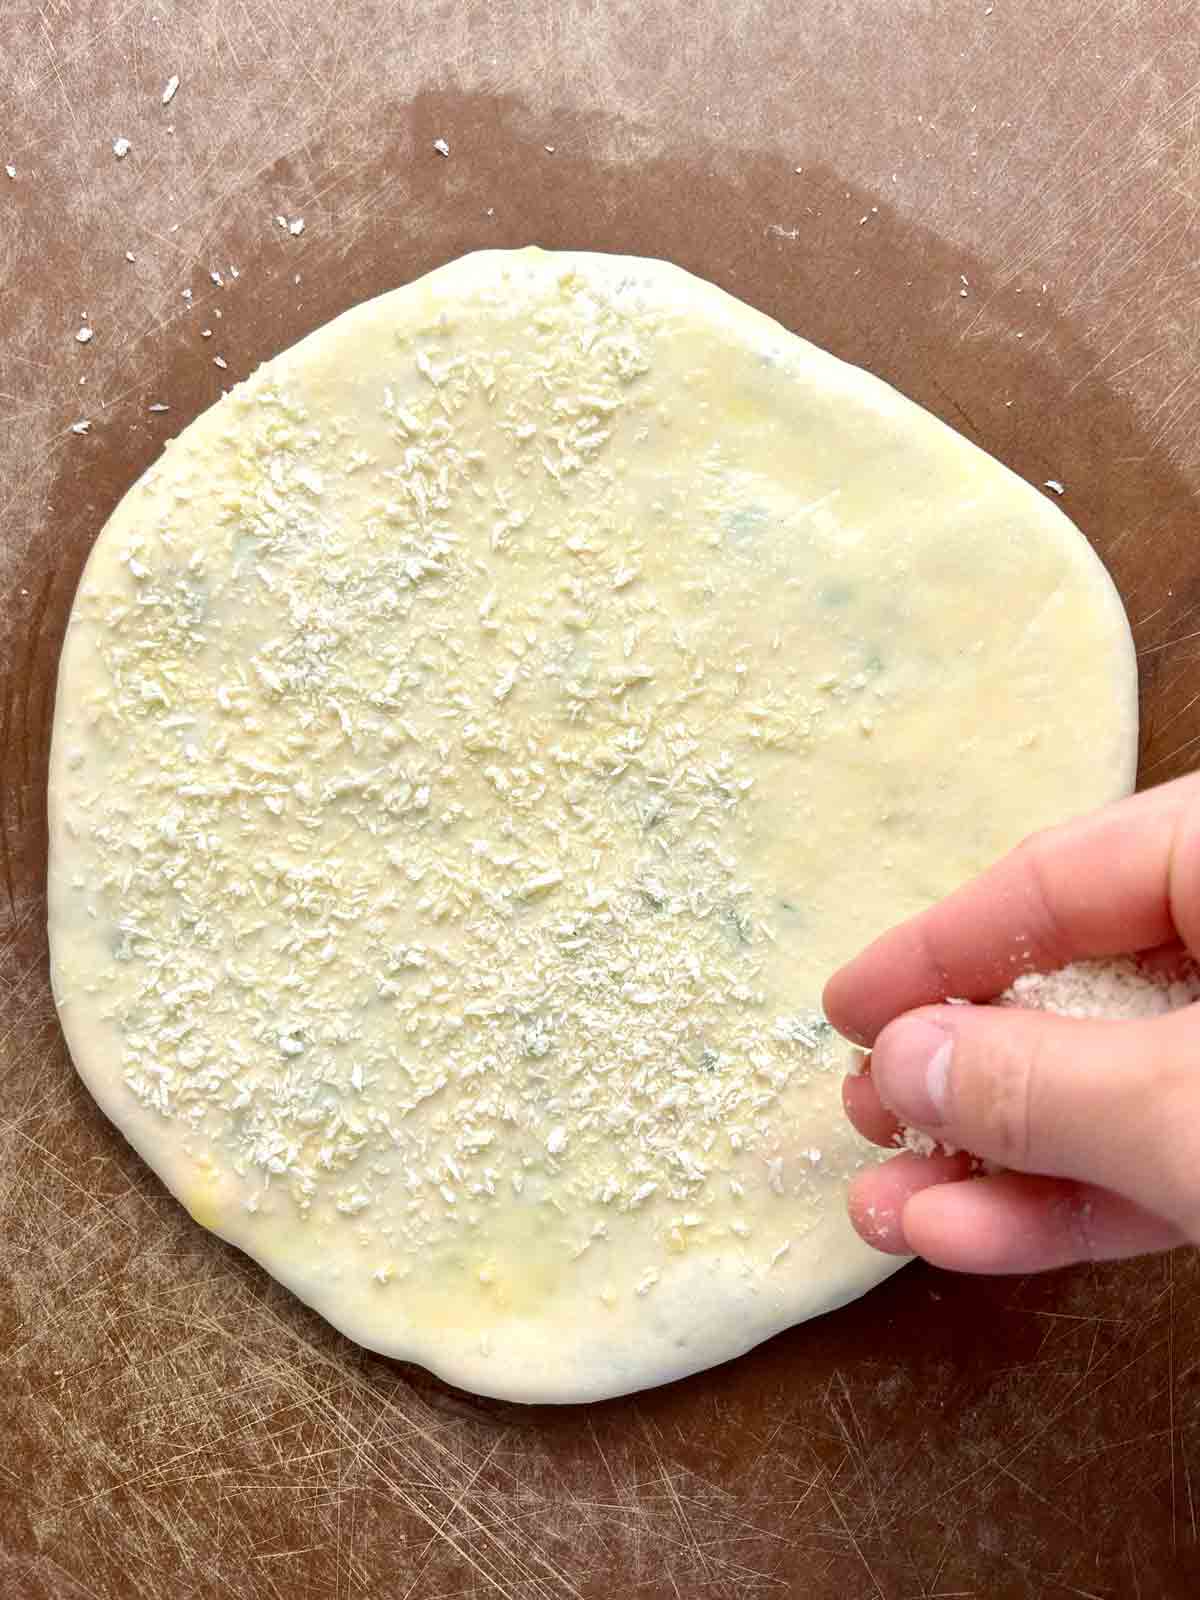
1120	880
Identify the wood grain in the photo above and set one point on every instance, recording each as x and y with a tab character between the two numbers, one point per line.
997	211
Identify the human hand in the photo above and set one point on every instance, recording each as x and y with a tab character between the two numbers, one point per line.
1096	1123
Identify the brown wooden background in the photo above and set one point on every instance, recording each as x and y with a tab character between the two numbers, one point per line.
173	1425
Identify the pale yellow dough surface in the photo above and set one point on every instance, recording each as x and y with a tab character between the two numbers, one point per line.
477	740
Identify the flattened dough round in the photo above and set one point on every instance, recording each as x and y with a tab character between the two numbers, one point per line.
479	737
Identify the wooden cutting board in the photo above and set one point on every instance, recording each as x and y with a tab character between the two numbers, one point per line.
992	205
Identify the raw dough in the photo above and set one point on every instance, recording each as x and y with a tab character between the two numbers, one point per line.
477	740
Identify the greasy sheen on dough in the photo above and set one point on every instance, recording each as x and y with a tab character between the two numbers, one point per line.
477	740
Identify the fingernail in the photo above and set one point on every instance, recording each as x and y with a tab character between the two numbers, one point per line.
911	1068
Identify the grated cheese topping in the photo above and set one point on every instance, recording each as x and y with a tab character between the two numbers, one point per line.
426	842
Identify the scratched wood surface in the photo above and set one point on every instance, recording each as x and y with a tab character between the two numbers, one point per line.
997	209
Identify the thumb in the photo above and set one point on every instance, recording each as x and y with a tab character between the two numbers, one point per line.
1110	1103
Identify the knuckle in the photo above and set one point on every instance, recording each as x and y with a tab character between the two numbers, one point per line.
929	955
1001	1082
1037	854
1037	843
1176	1095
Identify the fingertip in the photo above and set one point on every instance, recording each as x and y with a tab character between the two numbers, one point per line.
878	1198
891	976
867	1113
876	1220
838	1004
